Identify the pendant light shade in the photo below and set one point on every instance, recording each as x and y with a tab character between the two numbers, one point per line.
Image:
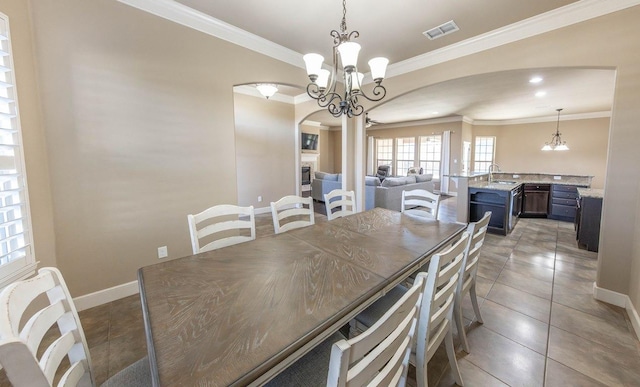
556	142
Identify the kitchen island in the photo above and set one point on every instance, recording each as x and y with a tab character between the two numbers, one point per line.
511	193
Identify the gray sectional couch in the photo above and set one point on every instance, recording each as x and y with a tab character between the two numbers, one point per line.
323	183
387	194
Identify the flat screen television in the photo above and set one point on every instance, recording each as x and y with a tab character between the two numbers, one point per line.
309	141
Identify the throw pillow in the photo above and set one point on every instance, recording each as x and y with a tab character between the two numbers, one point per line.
320	175
394	181
371	180
423	178
410	179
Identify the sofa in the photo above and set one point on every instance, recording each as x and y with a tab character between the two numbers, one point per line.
389	193
324	183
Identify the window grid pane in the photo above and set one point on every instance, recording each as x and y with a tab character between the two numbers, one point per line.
484	153
384	151
431	154
405	154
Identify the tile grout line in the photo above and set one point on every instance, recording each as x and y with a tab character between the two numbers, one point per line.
553	280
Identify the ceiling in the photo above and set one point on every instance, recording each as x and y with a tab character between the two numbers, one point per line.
396	32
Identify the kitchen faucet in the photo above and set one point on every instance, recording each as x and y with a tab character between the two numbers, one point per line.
491	171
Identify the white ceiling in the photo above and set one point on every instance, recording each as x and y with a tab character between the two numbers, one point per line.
395	30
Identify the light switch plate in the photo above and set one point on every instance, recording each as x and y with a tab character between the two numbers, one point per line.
557	178
163	252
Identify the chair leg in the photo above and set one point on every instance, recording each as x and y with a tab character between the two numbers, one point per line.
474	302
451	353
457	314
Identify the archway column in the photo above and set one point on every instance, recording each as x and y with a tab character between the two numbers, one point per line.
354	157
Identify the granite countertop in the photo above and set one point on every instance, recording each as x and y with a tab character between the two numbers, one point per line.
494	186
516	179
591	193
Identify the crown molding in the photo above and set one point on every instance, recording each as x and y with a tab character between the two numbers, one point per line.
533	120
561	17
558	18
315	124
189	17
434	121
252	91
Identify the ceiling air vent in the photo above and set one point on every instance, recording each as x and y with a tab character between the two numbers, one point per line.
442	30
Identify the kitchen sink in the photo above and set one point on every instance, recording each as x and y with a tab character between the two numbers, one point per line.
503	182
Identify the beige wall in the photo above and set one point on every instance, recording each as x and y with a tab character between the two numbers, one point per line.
336	140
139	122
33	135
327	157
265	149
518	147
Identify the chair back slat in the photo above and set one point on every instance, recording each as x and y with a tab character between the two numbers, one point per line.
380	355
221	222
54	354
291	208
420	202
436	311
19	345
478	231
39	324
342	200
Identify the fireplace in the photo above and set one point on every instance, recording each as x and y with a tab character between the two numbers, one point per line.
306	175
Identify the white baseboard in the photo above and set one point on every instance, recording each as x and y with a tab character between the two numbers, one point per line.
106	295
621	300
262	210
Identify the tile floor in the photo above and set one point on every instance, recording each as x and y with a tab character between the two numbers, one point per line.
541	325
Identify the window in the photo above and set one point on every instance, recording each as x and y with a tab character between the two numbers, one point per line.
16	258
431	154
384	151
405	155
485	149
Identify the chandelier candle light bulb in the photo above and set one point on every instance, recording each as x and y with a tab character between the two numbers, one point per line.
556	142
323	82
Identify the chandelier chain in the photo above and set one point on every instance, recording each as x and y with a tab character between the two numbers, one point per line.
343	25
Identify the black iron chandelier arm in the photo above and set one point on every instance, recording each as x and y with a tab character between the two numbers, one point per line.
379	92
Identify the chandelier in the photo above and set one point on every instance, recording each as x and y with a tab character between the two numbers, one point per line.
556	142
323	83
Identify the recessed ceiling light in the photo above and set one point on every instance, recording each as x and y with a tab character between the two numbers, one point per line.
434	112
535	80
541	94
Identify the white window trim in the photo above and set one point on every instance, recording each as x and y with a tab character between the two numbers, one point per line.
25	266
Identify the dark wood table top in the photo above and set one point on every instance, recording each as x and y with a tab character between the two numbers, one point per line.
229	316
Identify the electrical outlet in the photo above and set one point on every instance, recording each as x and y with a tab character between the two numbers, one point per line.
259	199
163	252
557	178
516	176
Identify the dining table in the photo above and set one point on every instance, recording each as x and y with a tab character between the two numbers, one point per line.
241	314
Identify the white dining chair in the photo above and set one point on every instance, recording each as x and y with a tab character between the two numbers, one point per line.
342	201
436	313
51	322
377	357
290	213
221	226
420	202
467	284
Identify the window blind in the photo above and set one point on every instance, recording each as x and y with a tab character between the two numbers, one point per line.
16	255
